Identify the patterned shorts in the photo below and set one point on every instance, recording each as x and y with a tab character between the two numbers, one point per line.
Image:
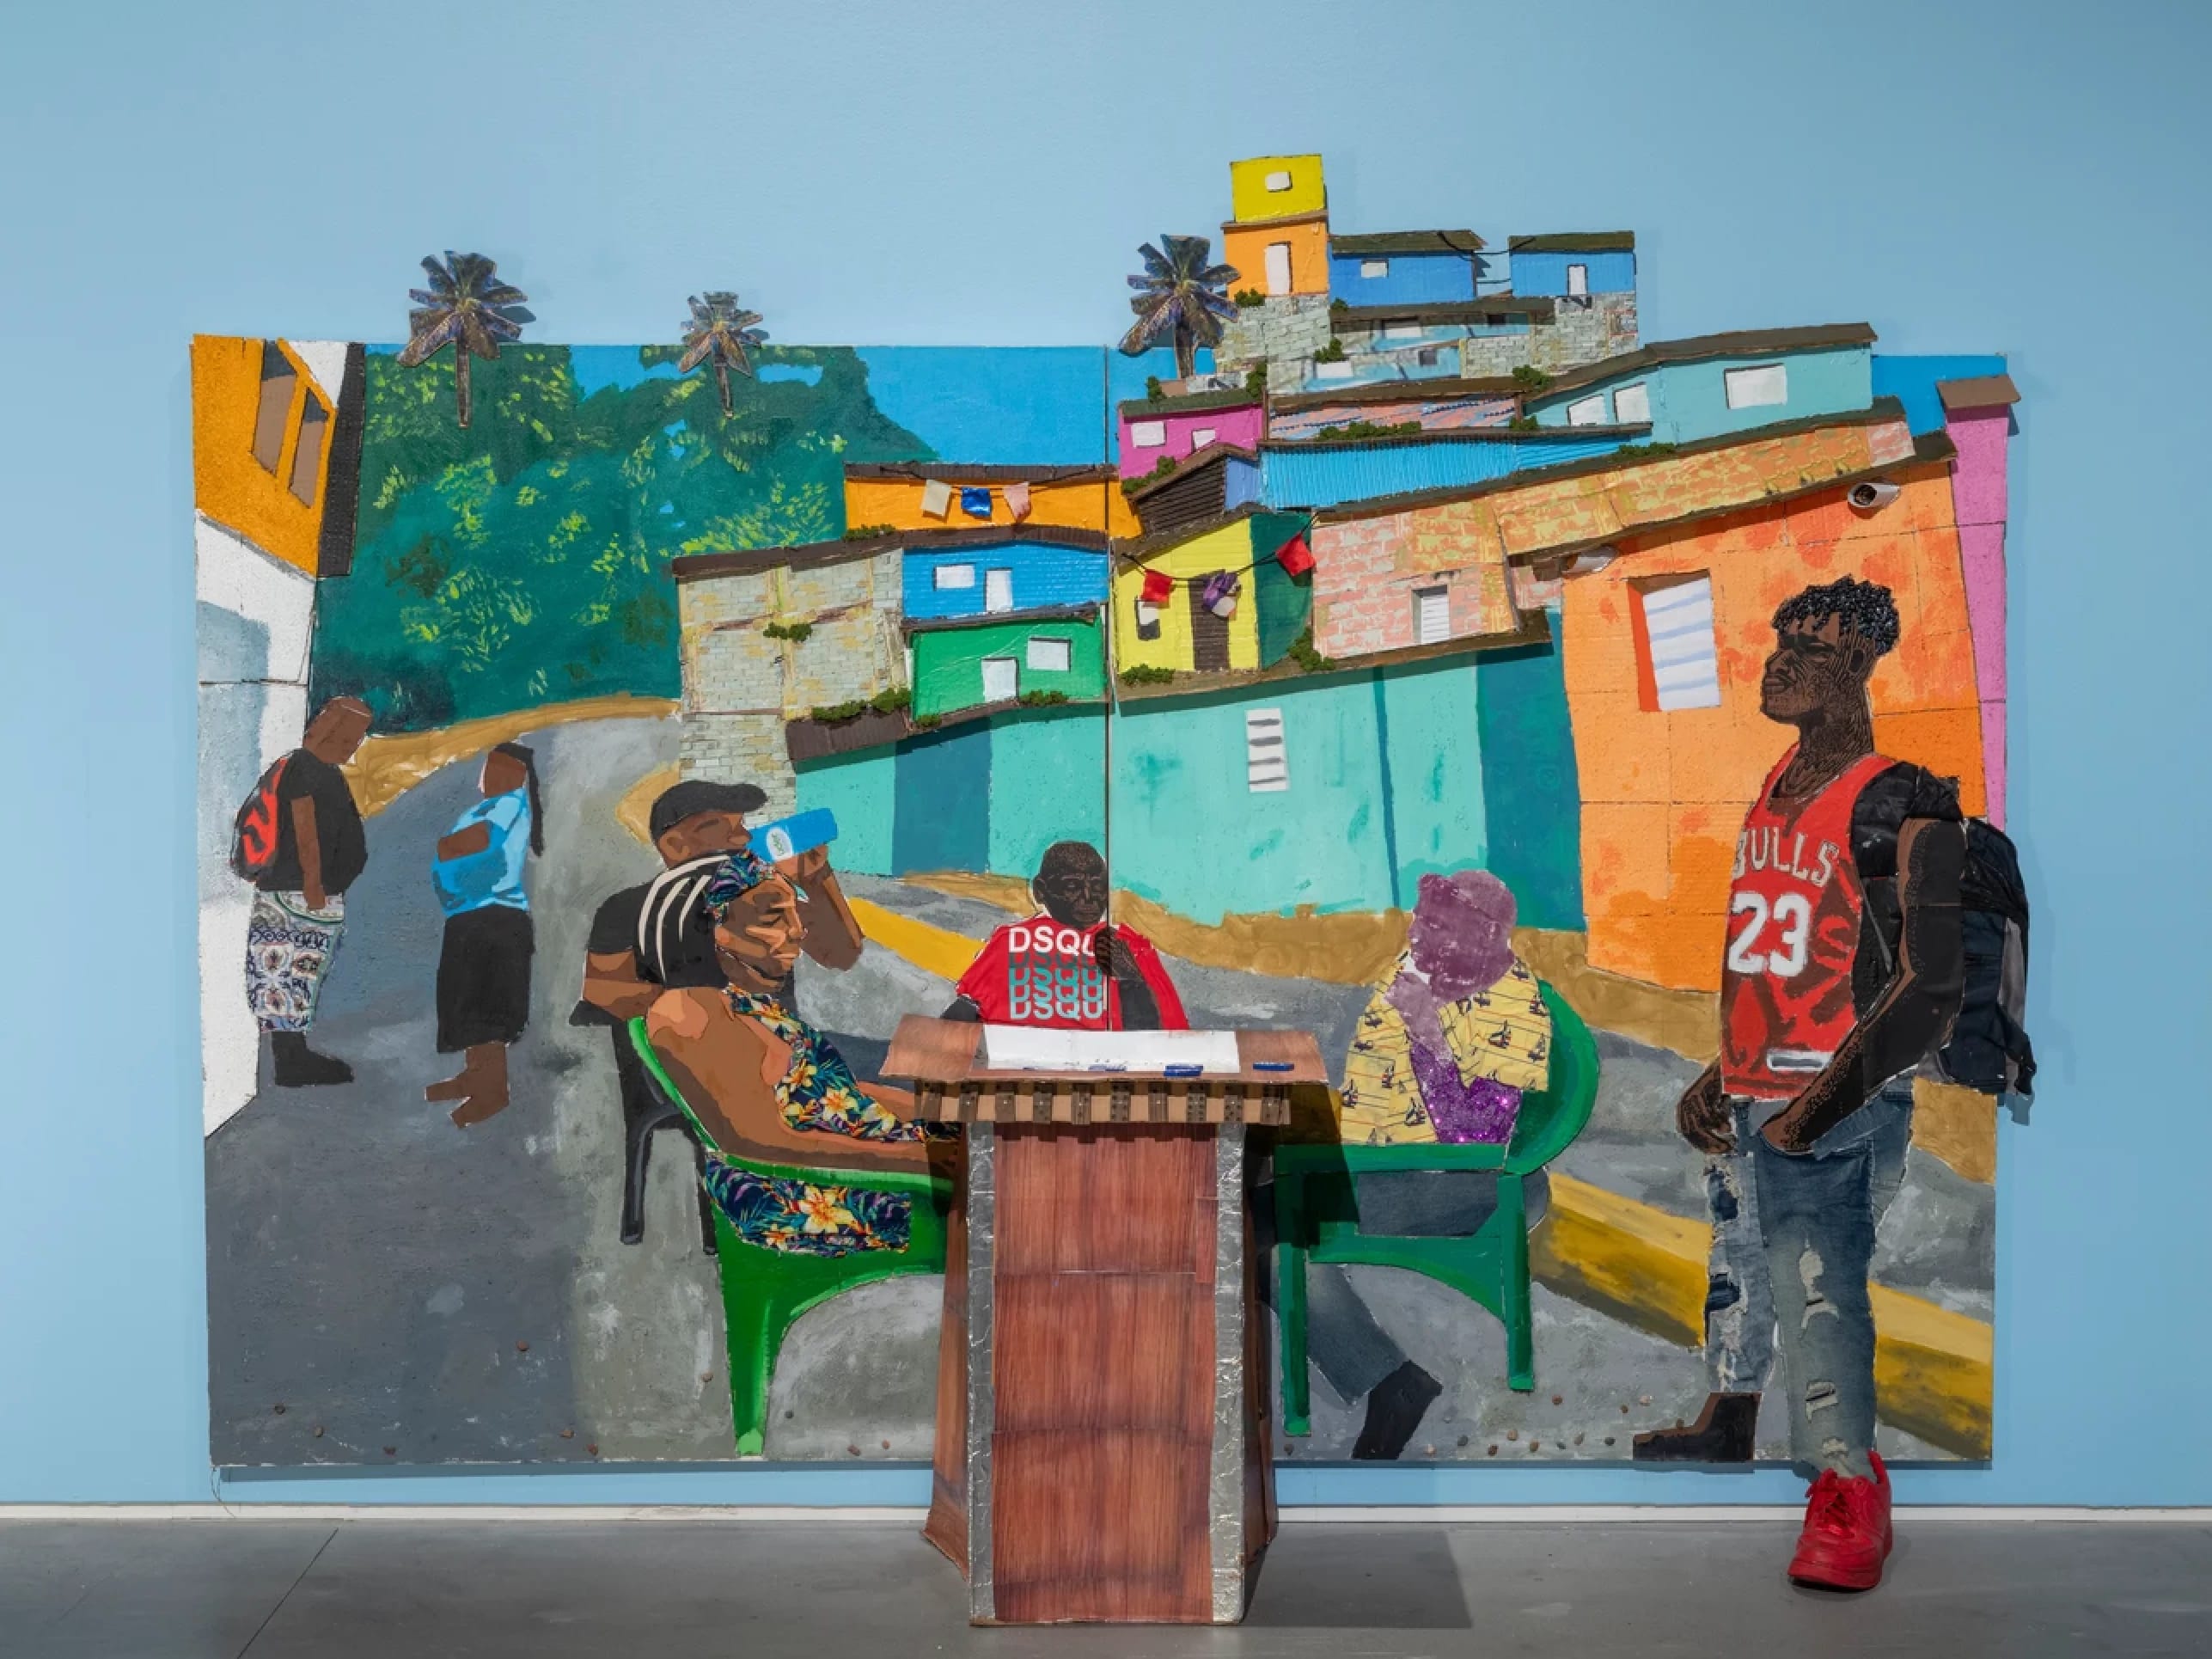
802	1219
289	949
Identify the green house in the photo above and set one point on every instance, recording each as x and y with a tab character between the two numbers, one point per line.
971	662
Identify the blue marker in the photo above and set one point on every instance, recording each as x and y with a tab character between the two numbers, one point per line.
1271	1065
1184	1071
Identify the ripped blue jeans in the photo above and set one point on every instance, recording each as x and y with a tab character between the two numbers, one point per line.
1792	1240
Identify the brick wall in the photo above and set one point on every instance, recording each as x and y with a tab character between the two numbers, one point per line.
1367	570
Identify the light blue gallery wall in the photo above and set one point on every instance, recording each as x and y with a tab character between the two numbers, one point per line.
980	174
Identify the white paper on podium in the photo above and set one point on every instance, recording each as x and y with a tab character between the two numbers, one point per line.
1026	1047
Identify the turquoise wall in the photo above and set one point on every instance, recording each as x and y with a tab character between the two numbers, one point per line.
1048	784
859	789
1690	401
1385	783
1532	788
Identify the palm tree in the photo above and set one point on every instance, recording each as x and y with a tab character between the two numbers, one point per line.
717	335
466	307
1180	297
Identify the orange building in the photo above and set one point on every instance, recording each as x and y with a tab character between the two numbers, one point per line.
1669	740
1279	257
893	497
266	423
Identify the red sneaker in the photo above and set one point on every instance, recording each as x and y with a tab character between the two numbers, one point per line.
1847	1534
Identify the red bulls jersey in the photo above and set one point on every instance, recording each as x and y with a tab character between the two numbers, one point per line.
1041	972
1795	907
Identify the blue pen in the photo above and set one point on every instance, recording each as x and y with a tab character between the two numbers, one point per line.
1271	1065
1183	1071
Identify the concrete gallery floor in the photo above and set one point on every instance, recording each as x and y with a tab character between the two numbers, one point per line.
218	1589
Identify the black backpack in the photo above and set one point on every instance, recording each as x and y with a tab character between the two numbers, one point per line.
1988	1049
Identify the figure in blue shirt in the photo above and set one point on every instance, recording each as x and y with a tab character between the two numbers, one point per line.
484	970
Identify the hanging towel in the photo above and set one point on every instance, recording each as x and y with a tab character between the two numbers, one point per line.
975	502
1219	594
936	497
1158	586
1294	556
1017	500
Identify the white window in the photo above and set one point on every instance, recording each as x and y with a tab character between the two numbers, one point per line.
1578	281
1332	371
999	590
1048	656
1402	331
1279	275
1753	389
1202	436
1432	615
1587	411
1633	403
1266	770
1279	181
1677	624
1147	434
1000	679
1374	267
955	576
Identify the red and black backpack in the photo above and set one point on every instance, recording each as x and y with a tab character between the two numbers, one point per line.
258	831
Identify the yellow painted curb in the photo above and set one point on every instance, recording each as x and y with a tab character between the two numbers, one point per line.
934	950
1932	1368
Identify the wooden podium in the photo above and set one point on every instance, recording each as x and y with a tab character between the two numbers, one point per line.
1102	1426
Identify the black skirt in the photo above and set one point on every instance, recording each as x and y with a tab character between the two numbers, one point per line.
484	977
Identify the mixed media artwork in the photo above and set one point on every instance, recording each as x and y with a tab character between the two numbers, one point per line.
1596	743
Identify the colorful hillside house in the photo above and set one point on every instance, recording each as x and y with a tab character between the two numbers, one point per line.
1402	267
1688	390
1154	430
1182	579
980	572
893	496
974	662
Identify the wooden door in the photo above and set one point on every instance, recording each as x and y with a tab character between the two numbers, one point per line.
1209	634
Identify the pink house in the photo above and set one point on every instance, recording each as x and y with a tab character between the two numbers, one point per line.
1977	417
1170	428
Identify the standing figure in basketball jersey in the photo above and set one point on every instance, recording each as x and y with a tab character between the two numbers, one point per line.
1842	972
1064	968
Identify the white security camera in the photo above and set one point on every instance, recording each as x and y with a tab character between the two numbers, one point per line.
1872	495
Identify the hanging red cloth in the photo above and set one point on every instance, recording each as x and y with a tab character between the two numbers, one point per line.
1158	586
1294	556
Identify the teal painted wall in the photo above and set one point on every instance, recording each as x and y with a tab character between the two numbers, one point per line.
1529	784
1385	782
860	789
1048	784
1690	401
1437	803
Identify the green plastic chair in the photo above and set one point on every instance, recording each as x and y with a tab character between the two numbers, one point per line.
764	1291
1318	1212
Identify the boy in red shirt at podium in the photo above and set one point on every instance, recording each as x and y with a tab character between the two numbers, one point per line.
1061	968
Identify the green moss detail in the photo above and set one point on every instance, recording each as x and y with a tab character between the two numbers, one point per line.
1248	299
1332	353
891	701
1523	424
1369	429
1256	381
1145	674
1041	699
795	632
1530	378
1310	661
1153	392
836	713
1641	451
870	532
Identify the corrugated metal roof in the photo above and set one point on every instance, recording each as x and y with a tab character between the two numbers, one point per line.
1322	475
1408	242
1575	242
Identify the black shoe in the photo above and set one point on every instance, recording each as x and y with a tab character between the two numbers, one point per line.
1396	1407
295	1066
1727	1431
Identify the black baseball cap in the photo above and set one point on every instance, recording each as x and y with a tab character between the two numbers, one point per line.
695	795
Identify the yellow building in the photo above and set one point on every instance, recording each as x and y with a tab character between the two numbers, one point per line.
1277	237
1276	188
263	418
893	497
1272	609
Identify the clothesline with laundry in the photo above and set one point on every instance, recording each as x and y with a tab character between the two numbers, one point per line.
1222	587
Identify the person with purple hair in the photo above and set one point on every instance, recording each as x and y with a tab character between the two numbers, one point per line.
1452	1034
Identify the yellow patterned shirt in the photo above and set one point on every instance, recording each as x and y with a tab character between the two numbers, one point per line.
1502	1032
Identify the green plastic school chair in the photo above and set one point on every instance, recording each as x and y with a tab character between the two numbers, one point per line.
763	1291
1318	1212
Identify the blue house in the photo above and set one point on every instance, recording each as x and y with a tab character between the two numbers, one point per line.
1323	472
1405	267
982	572
1574	265
1717	384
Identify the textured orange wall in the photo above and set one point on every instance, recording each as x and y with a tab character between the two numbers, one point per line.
229	485
1245	247
1663	793
1096	504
